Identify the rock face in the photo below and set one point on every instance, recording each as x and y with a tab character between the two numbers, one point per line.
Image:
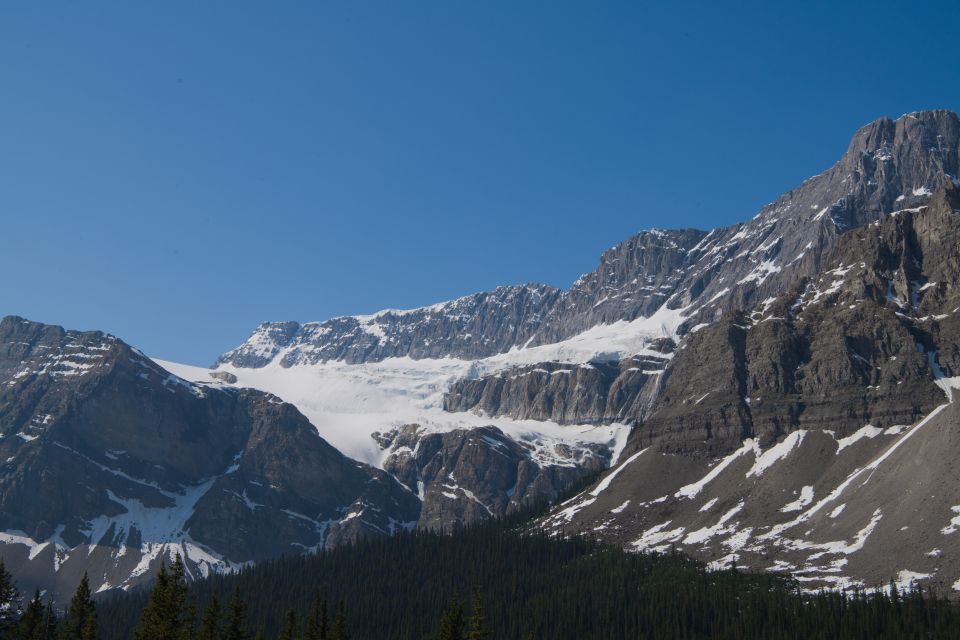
112	463
856	345
816	433
592	393
469	327
467	475
837	513
633	279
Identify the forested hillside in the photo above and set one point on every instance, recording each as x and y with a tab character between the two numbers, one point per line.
490	581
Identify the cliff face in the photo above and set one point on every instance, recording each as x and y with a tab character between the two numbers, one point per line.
470	327
859	344
467	475
593	393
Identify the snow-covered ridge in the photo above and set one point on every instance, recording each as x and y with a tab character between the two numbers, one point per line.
471	326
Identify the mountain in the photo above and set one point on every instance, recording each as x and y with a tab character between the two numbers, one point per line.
810	349
889	165
816	434
112	463
708	345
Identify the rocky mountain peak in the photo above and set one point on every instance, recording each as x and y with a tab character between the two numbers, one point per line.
472	326
263	345
28	348
937	129
892	163
889	165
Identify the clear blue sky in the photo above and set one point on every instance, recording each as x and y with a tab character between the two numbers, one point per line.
177	172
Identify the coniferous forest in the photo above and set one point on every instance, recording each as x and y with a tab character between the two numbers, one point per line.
488	581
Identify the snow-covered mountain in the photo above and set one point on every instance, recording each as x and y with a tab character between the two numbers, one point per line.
111	463
808	349
681	334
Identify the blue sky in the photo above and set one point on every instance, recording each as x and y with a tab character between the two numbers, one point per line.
177	172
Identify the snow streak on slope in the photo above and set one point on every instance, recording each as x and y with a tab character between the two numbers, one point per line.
832	521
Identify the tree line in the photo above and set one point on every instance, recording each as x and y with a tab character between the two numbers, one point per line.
493	581
499	581
39	620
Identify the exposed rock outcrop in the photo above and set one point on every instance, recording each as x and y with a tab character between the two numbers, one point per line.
469	327
816	434
467	475
593	393
856	345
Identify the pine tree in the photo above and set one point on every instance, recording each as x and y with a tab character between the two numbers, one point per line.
339	631
324	631
151	623
80	622
478	620
316	627
210	624
235	628
89	630
10	604
189	629
451	624
165	616
290	628
50	623
179	625
31	622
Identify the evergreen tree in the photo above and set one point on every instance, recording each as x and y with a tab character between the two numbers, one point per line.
189	630
317	626
181	617
166	616
50	622
10	604
235	628
478	620
290	628
210	624
80	622
152	622
324	631
451	624
339	631
89	630
31	623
